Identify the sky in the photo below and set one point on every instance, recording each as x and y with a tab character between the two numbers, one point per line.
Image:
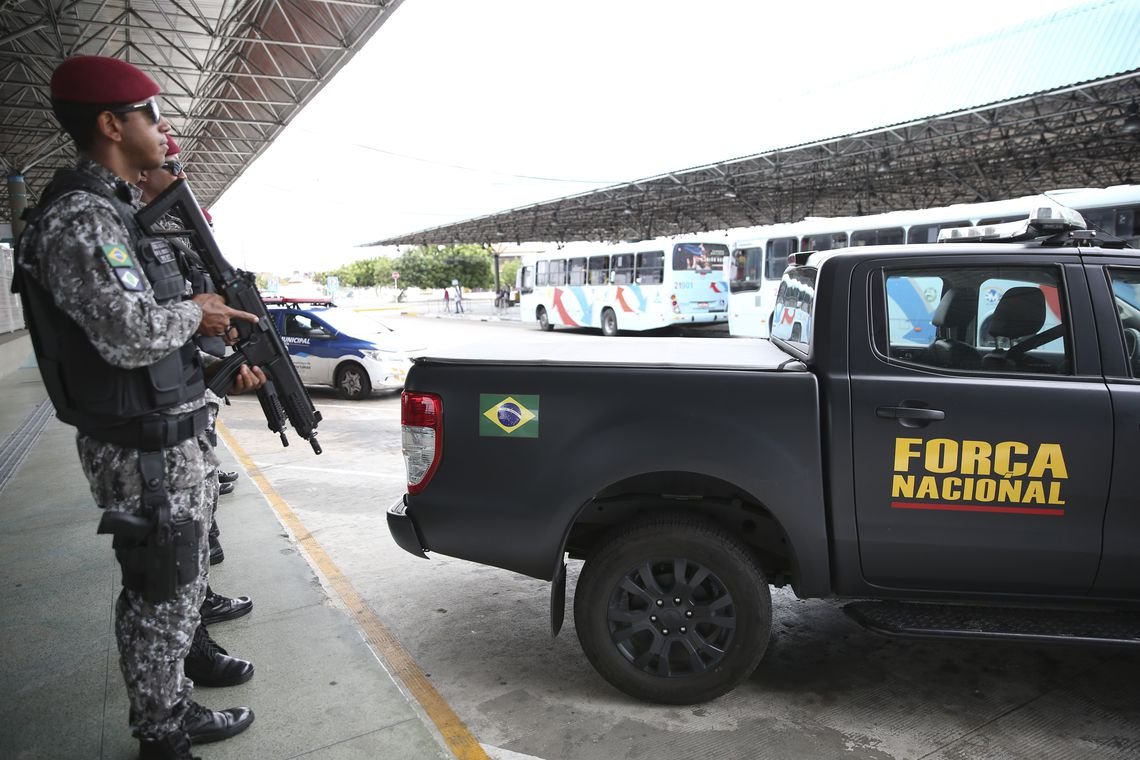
455	108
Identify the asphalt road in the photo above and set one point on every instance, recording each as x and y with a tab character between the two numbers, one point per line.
826	689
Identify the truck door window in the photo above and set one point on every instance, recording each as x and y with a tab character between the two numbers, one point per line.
1126	292
977	319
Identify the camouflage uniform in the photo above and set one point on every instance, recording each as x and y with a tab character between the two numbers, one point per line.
129	329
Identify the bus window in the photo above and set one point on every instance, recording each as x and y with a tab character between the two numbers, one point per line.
748	264
599	267
525	280
622	270
578	271
776	262
542	276
825	241
690	256
557	275
928	233
888	236
1123	222
650	267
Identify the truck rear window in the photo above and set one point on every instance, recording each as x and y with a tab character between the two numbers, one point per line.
792	317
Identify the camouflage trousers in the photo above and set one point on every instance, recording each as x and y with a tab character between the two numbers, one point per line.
154	638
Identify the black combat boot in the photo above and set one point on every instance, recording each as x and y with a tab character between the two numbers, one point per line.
217	556
227	477
173	747
217	608
225	488
208	664
204	726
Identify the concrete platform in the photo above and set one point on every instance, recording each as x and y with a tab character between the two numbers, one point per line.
320	690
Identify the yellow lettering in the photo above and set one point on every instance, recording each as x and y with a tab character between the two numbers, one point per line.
984	489
976	457
1055	494
902	487
1009	490
1003	463
1049	457
951	489
1034	493
927	488
904	452
941	455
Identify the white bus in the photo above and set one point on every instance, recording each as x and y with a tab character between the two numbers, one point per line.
760	254
626	286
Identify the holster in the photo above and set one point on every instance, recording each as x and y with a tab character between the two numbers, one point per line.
156	554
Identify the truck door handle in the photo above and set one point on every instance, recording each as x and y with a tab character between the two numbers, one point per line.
910	413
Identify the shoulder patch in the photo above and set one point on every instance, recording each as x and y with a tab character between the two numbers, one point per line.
116	255
130	279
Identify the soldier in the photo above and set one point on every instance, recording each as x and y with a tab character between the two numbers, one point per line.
112	335
216	608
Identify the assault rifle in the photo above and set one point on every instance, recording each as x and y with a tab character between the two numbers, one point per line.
283	396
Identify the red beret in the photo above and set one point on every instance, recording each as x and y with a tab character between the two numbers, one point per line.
172	148
98	79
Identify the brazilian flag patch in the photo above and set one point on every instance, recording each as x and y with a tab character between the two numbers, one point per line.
515	416
116	255
130	279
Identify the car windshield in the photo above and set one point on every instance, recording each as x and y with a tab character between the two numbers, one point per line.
353	323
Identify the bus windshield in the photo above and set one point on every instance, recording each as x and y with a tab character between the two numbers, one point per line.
698	256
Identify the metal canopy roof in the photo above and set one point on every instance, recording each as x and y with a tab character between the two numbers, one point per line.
1083	135
233	72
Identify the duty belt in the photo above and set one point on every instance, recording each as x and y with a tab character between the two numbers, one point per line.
153	432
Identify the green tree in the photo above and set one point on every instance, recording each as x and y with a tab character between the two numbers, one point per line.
508	272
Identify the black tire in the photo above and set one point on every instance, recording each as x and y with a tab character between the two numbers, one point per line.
352	381
544	320
627	614
609	323
797	334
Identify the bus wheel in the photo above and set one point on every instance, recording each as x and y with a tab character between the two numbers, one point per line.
544	320
352	381
673	609
609	323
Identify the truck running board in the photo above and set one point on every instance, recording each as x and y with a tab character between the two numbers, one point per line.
917	619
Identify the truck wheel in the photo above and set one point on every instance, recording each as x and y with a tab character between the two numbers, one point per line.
352	381
544	320
609	323
673	610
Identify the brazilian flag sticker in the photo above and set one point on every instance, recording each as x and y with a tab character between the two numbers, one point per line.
514	416
117	255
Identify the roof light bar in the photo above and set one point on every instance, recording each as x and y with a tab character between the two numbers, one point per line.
1044	217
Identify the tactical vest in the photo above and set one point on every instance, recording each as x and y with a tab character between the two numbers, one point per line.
104	401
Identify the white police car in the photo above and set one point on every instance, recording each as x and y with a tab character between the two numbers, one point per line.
352	352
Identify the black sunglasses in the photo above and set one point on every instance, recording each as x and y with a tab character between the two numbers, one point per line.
172	166
148	106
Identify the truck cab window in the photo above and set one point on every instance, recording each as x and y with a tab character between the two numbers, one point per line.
1126	293
977	319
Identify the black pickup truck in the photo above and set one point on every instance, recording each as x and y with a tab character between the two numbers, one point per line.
983	483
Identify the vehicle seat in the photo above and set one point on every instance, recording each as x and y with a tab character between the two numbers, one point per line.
952	318
1132	343
1019	314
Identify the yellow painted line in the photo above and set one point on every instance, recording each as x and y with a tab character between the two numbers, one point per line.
455	734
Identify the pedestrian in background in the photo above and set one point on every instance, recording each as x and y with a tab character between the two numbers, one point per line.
447	300
112	334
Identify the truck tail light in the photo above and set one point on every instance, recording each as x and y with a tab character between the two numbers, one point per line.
421	423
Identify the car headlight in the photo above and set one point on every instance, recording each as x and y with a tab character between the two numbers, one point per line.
387	356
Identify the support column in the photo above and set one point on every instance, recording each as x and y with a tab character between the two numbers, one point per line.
17	201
